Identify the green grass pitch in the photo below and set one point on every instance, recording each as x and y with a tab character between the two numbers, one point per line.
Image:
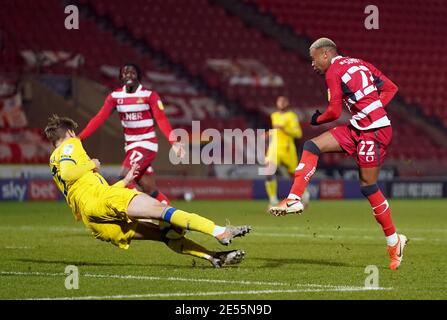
321	254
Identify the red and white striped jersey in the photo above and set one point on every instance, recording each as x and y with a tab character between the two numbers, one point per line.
359	85
137	112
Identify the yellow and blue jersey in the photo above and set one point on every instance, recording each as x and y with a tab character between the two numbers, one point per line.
102	208
73	172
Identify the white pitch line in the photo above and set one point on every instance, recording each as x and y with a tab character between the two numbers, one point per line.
153	278
218	293
46	274
133	277
243	282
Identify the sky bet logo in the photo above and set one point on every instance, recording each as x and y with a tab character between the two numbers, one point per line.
11	190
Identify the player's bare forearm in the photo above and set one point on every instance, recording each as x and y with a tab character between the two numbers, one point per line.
131	175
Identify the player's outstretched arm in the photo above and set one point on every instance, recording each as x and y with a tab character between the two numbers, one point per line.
98	119
130	176
160	117
333	111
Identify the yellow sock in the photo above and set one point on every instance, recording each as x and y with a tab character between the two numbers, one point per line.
187	246
189	221
271	187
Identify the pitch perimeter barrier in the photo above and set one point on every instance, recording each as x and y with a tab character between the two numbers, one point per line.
211	189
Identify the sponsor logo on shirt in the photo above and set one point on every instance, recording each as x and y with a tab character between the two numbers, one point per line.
68	149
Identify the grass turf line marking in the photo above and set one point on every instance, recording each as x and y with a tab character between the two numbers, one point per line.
17	247
201	294
134	277
242	282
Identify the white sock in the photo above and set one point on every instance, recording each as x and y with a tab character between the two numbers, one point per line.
392	239
293	197
273	199
218	230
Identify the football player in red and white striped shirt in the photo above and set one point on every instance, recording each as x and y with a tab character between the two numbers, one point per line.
365	91
138	109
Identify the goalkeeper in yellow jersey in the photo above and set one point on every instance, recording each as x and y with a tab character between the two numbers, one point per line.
114	213
281	150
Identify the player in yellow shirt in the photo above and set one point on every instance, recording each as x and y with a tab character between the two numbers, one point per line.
282	151
113	213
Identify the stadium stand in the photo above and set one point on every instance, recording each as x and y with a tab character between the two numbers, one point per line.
187	32
238	60
188	38
409	38
92	53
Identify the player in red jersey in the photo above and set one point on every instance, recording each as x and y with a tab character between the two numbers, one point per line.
138	107
365	91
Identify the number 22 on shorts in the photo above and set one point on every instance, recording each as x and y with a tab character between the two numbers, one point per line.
367	149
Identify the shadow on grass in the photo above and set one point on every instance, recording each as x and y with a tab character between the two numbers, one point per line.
278	262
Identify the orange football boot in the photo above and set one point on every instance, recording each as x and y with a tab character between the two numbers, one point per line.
396	251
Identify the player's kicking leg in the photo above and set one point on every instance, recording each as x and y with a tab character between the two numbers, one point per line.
304	172
226	258
143	206
175	240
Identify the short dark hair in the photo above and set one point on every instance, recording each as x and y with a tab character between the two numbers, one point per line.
57	127
133	65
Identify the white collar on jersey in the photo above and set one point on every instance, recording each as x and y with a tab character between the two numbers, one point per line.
140	86
335	58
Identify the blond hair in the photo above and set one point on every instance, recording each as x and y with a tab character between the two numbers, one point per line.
57	127
323	43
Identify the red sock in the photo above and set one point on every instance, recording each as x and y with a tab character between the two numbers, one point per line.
303	173
382	212
161	197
